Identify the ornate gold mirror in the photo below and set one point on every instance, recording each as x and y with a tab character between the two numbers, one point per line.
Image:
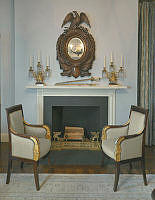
75	46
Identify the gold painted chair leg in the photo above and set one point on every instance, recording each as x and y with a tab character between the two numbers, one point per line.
36	177
117	172
143	171
9	171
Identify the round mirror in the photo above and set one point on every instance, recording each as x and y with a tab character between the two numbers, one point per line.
75	48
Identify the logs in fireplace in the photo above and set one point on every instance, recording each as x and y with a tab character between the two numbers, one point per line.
74	133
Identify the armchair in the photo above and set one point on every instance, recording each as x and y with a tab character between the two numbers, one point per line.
27	142
125	143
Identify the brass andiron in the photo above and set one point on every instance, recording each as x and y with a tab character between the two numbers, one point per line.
40	74
112	74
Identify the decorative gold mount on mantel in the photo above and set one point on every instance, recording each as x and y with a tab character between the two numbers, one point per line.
113	75
40	74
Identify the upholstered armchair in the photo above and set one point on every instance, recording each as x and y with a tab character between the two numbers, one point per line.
125	143
27	143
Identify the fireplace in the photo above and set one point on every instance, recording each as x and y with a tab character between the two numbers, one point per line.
61	93
89	113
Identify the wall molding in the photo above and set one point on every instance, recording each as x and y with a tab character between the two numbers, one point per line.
4	137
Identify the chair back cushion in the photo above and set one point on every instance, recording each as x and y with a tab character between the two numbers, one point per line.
137	123
16	121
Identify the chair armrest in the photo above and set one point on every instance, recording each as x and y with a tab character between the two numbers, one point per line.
37	130
128	147
114	131
24	146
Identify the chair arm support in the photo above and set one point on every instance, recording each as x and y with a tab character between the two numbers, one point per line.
37	130
113	131
131	136
128	147
31	146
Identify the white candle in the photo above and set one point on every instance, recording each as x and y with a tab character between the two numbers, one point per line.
122	61
111	59
47	61
30	61
104	61
39	55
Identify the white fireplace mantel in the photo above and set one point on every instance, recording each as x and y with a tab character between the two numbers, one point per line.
84	90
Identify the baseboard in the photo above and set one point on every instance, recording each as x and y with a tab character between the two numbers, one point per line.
4	137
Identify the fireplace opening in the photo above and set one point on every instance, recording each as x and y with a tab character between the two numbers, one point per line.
89	113
86	117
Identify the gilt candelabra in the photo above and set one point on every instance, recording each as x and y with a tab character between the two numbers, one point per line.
112	75
40	74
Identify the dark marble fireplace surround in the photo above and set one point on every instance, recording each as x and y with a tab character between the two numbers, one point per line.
89	112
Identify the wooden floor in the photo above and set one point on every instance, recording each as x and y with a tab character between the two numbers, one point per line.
107	168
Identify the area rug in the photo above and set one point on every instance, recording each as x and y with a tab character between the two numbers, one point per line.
76	157
76	187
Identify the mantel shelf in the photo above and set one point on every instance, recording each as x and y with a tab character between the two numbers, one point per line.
113	87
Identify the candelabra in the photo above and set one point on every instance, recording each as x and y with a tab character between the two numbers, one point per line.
40	74
112	74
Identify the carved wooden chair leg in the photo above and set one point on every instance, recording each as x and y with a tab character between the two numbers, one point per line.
103	157
117	172
9	171
143	171
130	164
36	177
21	164
153	194
49	160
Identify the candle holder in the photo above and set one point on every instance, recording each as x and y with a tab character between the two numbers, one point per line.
40	74
112	74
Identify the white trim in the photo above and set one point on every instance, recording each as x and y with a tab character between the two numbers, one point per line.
85	87
4	137
40	105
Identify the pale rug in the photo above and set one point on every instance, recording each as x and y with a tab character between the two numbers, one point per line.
76	187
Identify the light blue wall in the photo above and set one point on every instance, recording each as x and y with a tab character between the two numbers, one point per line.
38	26
7	58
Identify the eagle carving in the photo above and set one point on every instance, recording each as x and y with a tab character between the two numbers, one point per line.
75	19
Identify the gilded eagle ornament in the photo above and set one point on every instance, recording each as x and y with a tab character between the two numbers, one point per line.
75	46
